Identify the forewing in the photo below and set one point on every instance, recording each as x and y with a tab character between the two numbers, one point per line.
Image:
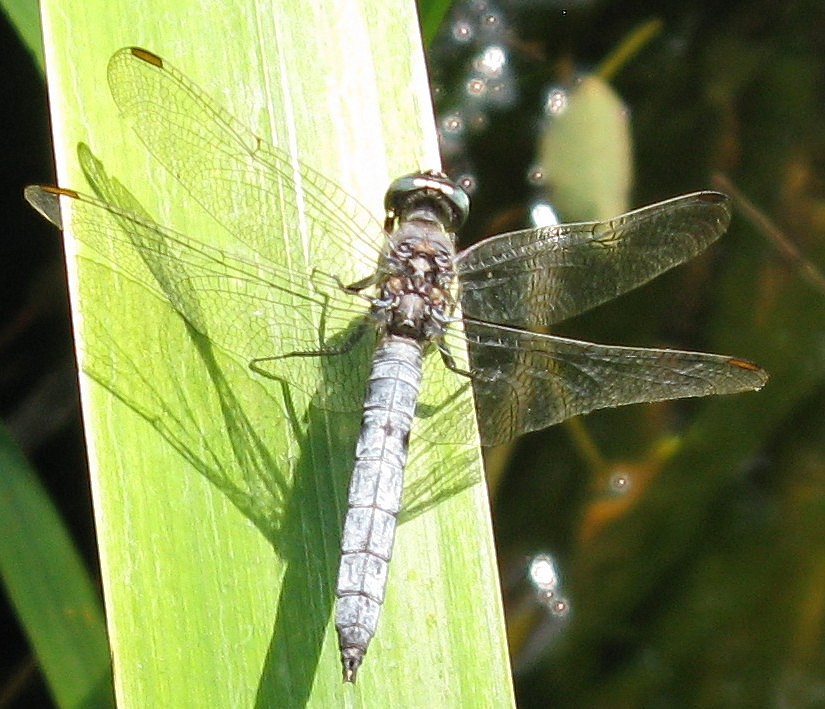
278	207
242	304
525	381
537	277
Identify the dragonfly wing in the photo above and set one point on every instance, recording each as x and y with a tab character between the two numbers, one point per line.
537	277
244	305
271	202
444	413
525	381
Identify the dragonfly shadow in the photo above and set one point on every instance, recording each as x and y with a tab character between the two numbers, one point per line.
296	502
224	448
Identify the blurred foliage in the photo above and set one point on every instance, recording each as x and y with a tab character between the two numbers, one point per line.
698	581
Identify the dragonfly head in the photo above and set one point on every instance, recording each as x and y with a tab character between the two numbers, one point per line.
426	193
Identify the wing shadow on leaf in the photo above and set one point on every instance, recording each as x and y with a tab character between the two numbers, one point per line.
295	501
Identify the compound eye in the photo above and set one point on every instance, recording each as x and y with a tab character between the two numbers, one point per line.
459	202
406	190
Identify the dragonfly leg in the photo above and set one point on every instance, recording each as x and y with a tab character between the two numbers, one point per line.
352	288
346	346
449	360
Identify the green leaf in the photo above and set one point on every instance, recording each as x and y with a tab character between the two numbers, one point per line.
219	494
432	14
51	591
25	17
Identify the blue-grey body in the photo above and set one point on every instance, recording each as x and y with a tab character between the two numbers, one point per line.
375	493
412	308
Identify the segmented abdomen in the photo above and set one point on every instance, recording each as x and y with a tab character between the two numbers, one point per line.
375	495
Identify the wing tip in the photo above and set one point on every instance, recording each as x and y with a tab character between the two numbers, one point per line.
146	56
760	376
713	197
46	200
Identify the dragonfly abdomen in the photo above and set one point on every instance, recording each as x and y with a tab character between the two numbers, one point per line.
375	495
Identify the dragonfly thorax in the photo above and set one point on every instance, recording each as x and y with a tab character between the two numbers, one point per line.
411	310
423	252
414	299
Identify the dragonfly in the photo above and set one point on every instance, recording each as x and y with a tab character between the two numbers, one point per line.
413	298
